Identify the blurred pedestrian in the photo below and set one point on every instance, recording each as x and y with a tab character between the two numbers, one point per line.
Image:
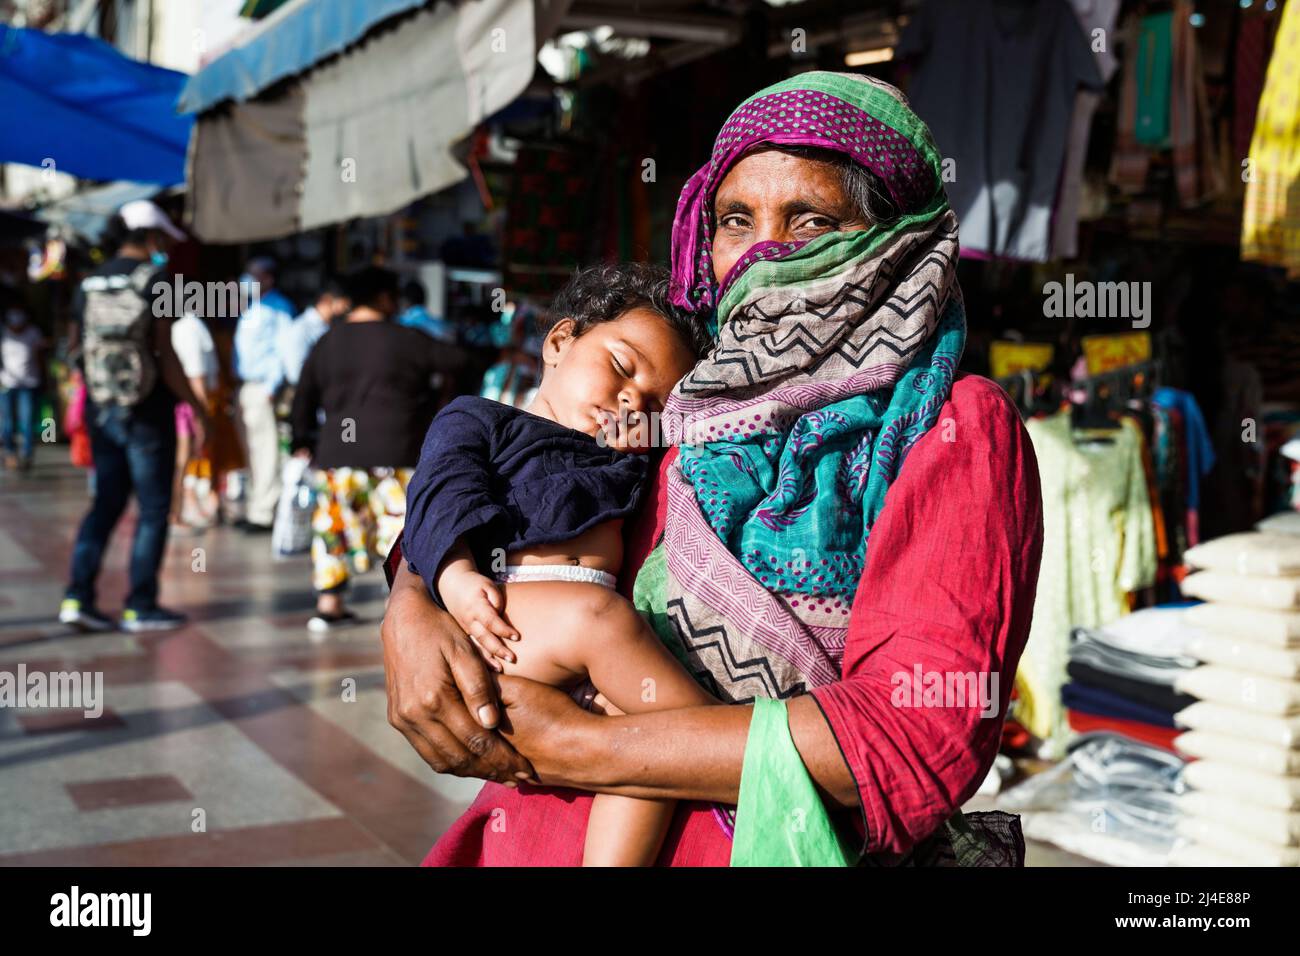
261	373
21	346
372	378
416	315
298	336
193	494
133	380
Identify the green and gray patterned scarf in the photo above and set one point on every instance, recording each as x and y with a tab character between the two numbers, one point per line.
832	358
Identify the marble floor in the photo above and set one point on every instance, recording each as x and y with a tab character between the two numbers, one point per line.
240	739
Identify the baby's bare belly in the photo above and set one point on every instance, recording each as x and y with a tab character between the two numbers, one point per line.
601	547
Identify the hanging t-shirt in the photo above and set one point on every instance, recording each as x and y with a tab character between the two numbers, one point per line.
1200	449
1155	74
996	82
1098	545
1097	19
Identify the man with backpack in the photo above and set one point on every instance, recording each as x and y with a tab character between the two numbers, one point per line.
133	380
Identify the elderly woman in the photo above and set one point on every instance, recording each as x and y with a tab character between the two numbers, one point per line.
846	530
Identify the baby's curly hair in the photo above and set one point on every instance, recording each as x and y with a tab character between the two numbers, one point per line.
605	292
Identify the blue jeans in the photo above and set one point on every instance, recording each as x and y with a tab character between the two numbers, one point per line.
134	449
18	420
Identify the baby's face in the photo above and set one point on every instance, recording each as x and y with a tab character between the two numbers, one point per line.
615	368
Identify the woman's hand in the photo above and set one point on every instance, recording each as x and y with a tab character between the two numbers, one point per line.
550	729
440	692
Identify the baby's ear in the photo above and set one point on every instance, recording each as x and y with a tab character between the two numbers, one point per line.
558	340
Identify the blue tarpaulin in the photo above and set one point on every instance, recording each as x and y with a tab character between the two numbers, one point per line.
290	41
76	101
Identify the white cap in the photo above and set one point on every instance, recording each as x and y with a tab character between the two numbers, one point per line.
142	214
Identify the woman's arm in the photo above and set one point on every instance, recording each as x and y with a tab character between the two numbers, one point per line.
693	753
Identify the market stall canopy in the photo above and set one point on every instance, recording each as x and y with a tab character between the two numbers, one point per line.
88	213
74	104
292	136
291	40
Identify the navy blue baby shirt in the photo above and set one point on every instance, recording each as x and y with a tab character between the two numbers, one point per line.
505	478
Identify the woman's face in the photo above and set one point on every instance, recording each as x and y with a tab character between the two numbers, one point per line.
774	196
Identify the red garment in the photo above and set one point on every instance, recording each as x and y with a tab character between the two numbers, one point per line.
949	584
1162	737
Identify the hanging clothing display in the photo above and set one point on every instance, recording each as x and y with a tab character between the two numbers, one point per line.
1250	61
1164	105
1097	18
1154	65
1197	174
1270	229
1098	545
1198	447
996	81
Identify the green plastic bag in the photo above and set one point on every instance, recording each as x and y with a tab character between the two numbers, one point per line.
780	818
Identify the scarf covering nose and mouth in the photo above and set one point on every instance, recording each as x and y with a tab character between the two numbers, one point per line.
832	357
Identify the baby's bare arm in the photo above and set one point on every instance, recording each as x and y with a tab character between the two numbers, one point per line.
571	630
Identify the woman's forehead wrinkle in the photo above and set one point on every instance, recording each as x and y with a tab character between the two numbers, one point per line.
731	204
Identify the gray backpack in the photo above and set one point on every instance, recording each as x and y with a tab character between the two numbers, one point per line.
117	337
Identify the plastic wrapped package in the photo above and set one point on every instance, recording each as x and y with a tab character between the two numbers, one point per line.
1111	799
1246	850
1243	724
1251	552
1245	786
1278	827
1252	590
1276	628
1235	688
1204	745
1249	656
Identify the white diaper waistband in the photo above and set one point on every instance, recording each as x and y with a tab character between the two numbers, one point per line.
556	572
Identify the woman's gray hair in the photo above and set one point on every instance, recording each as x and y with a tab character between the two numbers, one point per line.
864	188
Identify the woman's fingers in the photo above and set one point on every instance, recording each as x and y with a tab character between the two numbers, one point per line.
477	690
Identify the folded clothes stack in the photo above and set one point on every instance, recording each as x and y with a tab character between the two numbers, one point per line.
1112	799
1243	733
1122	676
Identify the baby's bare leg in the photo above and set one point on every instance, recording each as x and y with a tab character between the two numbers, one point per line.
573	630
570	630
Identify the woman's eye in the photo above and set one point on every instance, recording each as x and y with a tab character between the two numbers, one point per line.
732	222
822	223
621	370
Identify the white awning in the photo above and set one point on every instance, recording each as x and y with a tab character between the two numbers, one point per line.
367	132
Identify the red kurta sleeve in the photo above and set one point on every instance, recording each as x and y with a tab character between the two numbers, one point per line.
952	567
